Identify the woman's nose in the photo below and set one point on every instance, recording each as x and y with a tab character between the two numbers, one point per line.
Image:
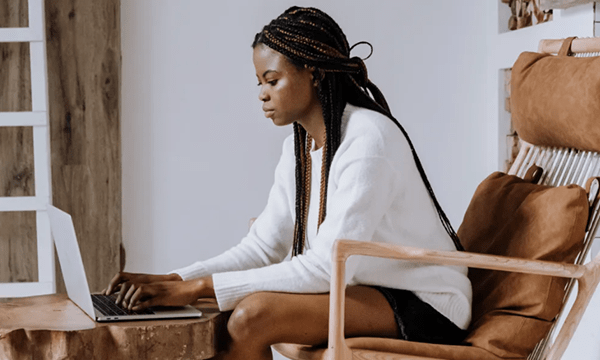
262	94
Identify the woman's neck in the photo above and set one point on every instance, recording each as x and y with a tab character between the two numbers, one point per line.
314	124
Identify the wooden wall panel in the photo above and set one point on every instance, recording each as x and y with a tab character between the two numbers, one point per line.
13	13
84	62
18	245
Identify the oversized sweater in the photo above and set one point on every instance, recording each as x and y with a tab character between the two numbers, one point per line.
375	193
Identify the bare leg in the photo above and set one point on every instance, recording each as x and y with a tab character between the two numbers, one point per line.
268	318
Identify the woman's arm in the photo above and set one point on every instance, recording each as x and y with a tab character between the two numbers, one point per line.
365	190
267	242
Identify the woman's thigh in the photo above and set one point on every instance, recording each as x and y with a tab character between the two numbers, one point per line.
269	318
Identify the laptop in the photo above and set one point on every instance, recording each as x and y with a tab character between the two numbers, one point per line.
96	306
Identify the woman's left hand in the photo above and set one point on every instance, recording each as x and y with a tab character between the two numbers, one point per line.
168	293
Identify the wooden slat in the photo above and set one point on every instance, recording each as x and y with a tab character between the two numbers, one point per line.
84	92
22	118
561	4
587	45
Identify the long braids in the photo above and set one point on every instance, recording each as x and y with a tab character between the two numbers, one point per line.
310	38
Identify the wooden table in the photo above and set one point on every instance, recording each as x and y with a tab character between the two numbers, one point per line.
52	327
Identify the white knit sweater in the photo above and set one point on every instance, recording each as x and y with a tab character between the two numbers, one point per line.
375	193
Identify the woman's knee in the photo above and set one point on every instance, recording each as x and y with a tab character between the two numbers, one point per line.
253	318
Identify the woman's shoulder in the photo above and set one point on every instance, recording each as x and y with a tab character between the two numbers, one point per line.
370	130
356	116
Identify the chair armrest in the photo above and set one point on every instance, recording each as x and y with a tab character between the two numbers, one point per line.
346	248
342	249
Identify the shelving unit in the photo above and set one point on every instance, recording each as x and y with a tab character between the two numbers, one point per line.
571	18
38	120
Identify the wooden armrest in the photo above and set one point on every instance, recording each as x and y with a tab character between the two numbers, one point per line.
344	248
587	275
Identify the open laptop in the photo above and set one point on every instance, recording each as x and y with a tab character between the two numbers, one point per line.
98	307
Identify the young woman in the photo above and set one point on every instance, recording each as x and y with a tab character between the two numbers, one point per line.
348	171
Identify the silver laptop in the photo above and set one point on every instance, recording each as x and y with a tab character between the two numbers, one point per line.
98	307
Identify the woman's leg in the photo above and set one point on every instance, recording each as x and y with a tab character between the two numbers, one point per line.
267	318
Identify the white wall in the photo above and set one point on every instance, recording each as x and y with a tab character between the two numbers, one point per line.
198	155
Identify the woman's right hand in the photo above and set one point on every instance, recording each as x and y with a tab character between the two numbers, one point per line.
123	282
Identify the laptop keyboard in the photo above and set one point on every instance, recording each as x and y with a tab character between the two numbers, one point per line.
106	305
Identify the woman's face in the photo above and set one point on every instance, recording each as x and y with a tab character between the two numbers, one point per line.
287	92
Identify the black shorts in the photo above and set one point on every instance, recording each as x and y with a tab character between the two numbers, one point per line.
419	321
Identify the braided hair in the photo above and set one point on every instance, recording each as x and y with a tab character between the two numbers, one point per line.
309	38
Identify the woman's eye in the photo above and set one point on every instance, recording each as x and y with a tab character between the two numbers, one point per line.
272	83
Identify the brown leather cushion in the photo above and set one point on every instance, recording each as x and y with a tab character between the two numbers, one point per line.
555	100
413	348
512	217
382	348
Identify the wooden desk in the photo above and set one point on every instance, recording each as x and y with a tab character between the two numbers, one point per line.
52	327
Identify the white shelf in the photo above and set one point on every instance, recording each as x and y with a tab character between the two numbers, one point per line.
26	289
20	35
23	118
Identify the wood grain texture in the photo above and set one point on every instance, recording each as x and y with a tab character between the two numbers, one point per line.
586	45
18	247
13	13
51	327
345	248
586	288
84	74
18	244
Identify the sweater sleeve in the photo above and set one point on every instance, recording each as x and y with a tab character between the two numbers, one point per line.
270	236
365	189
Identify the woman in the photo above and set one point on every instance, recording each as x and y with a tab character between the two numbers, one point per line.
349	171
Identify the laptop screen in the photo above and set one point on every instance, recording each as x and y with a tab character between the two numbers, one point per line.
69	258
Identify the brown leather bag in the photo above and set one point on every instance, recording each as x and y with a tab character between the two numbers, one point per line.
555	100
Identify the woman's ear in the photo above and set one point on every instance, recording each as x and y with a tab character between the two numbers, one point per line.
317	76
313	74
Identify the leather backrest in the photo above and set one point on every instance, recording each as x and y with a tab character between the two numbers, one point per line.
513	217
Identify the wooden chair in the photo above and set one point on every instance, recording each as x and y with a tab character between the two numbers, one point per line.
561	166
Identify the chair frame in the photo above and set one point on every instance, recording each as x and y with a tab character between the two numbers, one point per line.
561	166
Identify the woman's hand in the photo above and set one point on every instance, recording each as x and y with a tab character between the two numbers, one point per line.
168	293
124	282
